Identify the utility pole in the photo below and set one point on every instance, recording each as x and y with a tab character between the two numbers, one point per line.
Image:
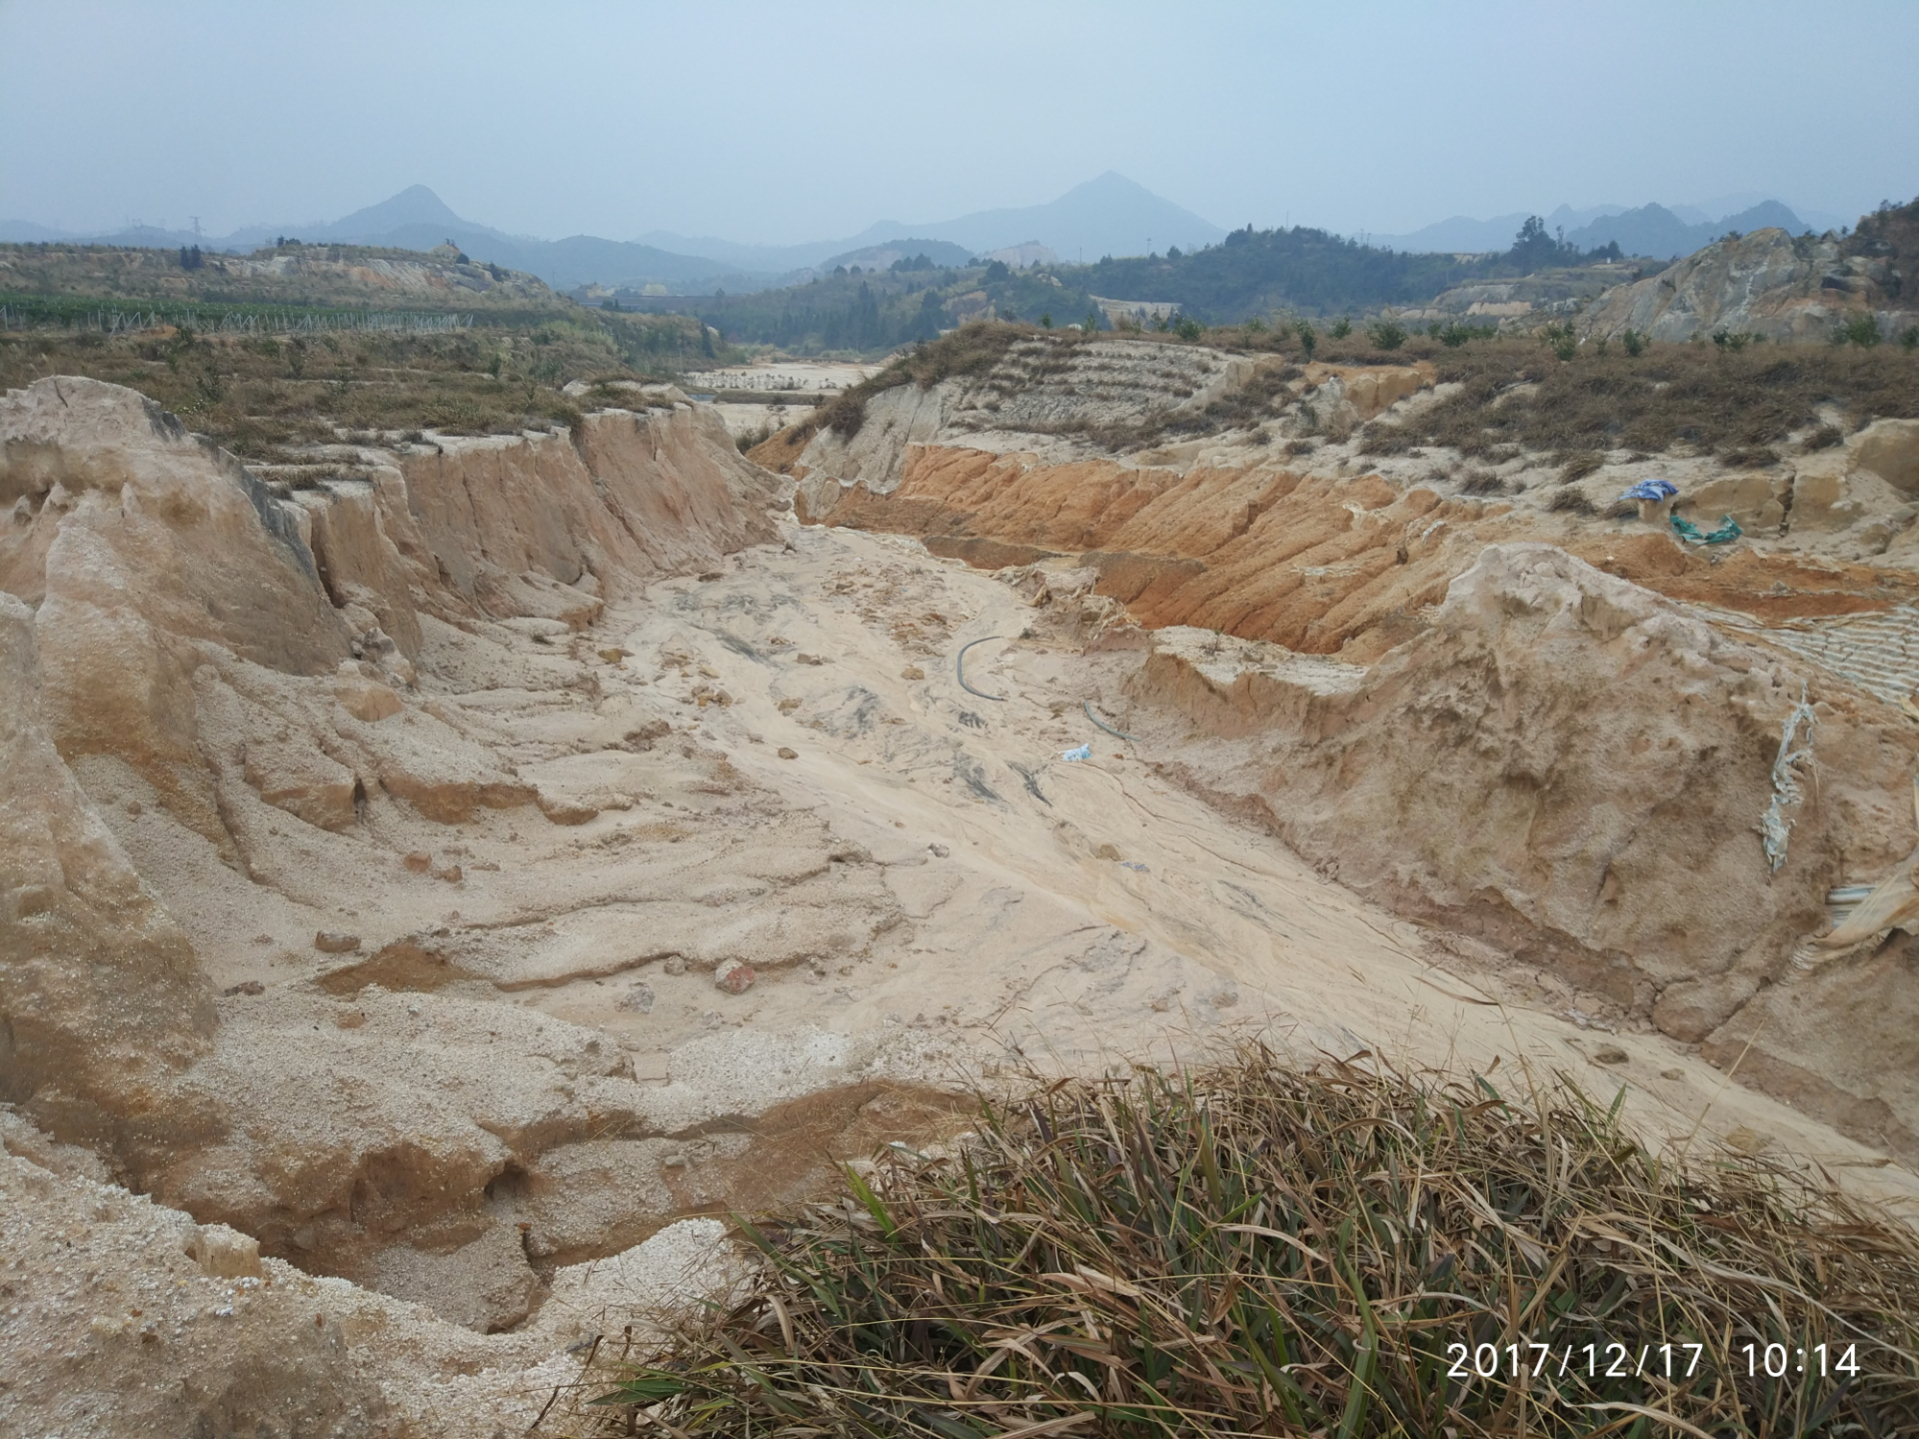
196	227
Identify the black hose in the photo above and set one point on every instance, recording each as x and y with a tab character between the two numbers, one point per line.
1088	706
959	667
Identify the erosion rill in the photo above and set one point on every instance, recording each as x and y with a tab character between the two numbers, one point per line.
444	883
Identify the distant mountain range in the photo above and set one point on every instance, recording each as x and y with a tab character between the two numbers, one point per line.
1655	230
1109	215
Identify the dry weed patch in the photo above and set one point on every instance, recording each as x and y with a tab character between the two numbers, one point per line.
1737	405
1252	1249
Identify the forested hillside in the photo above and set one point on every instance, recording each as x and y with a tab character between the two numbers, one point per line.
1250	273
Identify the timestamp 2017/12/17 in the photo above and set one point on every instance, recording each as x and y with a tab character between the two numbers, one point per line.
1618	1361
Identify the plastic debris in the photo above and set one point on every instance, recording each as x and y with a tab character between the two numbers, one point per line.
1654	490
1727	532
1084	752
1773	825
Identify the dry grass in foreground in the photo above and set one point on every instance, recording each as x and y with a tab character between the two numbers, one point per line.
1251	1249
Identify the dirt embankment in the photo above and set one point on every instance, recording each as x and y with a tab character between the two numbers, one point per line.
258	688
1574	771
1539	737
1306	541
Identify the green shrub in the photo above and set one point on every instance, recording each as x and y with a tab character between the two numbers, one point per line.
1562	340
1634	342
1387	334
1910	339
1861	330
1341	328
1308	337
1188	328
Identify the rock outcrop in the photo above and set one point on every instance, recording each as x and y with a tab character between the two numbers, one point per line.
1767	283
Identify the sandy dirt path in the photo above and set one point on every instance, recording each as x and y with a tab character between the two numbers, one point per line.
1083	914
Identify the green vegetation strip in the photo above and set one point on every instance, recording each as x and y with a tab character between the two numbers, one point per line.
1250	1249
114	316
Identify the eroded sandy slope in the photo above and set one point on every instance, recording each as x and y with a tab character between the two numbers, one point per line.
445	920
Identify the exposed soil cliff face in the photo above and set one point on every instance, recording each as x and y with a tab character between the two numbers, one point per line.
1573	770
1315	545
102	1002
214	658
631	498
1330	562
1538	737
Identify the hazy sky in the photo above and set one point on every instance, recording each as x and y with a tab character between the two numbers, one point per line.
805	120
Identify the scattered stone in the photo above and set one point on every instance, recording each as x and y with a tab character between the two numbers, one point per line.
134	808
1107	852
1227	998
912	672
262	939
806	659
639	998
938	851
364	699
642	739
303	782
787	752
245	987
675	965
224	1253
335	942
789	705
564	812
613	655
419	862
452	874
1610	1055
735	977
1672	1074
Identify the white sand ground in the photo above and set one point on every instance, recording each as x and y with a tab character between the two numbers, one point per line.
931	895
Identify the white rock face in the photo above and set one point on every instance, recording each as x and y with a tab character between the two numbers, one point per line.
1766	283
